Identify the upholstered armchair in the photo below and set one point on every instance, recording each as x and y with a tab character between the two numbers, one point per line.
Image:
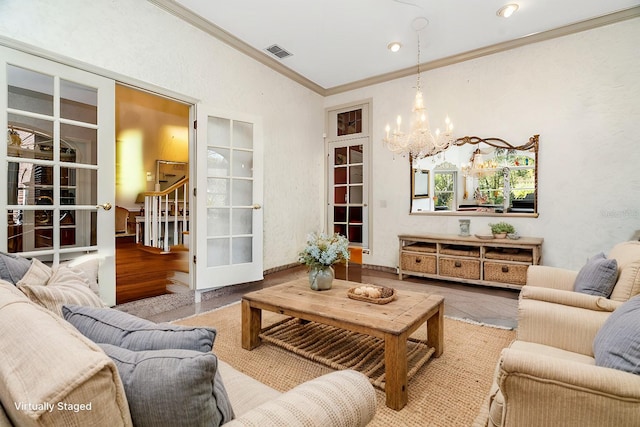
627	255
550	287
548	375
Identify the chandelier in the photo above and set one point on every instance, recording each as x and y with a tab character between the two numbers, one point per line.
418	142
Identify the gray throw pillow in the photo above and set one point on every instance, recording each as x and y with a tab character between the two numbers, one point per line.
115	327
13	267
598	276
617	343
172	388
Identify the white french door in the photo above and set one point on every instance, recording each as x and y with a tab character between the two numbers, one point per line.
348	163
229	199
59	156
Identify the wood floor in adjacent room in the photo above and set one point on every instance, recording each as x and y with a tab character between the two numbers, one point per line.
480	304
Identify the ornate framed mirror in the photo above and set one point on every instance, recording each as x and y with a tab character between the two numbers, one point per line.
169	172
479	176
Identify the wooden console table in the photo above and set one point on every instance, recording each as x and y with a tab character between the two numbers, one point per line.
493	262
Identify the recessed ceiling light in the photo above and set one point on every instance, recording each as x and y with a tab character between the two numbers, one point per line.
507	10
394	46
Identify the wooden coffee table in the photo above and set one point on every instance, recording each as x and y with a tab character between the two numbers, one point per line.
393	322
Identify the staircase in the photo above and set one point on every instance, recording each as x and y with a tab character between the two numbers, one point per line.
166	217
156	260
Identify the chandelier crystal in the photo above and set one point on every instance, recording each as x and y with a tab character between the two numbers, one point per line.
418	142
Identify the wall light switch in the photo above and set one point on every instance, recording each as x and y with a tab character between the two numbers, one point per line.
149	177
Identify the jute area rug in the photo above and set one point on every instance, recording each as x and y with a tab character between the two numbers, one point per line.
446	391
341	349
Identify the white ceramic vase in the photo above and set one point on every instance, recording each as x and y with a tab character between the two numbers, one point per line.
321	278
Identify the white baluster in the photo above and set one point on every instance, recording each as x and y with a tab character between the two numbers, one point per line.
155	221
175	217
165	233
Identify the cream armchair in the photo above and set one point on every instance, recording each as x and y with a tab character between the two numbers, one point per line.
548	376
627	254
550	287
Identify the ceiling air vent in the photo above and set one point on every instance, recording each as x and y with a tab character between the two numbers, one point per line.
278	51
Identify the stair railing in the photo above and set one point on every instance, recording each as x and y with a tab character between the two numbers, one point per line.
163	209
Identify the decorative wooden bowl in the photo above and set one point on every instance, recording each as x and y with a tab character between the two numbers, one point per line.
386	294
485	236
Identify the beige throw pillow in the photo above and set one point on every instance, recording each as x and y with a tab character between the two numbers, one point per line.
628	284
37	274
89	265
63	286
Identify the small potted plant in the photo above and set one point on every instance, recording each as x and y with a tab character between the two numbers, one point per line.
501	229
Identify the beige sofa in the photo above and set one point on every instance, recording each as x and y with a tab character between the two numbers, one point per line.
51	375
548	376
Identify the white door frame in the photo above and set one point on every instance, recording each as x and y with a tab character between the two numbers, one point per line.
332	141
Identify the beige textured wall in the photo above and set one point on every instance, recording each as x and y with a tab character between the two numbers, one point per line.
581	93
144	43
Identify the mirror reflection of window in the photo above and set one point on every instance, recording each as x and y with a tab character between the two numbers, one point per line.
444	190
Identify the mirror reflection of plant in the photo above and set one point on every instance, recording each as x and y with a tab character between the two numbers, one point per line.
522	183
492	186
445	200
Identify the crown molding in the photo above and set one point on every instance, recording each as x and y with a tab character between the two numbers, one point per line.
226	37
174	8
490	50
94	69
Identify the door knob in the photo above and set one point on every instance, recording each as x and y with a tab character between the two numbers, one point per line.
105	206
256	206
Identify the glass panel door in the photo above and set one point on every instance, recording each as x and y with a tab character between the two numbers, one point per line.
55	117
348	148
348	192
229	240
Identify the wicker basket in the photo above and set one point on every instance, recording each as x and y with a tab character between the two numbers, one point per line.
418	263
515	274
387	295
460	250
421	247
509	254
462	268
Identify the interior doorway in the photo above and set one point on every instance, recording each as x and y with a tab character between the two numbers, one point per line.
152	158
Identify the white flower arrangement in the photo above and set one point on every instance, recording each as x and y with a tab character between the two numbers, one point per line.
323	250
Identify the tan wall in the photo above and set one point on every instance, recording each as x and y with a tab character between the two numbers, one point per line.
148	128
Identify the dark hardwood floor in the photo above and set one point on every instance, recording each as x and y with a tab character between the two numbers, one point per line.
474	303
144	272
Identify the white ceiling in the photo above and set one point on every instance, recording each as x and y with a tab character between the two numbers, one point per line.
338	42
